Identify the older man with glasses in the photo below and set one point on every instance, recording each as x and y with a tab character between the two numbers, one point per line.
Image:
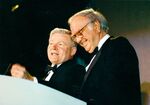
112	76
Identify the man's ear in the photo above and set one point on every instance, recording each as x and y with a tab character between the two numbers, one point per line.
73	51
97	26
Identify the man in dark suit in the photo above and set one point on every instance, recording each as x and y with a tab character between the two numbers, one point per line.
67	75
112	76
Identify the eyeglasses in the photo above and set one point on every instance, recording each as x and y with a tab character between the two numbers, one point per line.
79	34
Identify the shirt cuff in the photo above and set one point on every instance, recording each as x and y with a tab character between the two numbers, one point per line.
35	80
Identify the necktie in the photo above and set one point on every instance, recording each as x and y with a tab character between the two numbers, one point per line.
90	56
49	68
50	71
53	68
95	51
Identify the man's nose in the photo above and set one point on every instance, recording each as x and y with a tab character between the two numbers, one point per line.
54	46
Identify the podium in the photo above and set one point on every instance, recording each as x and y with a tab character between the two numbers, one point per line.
14	91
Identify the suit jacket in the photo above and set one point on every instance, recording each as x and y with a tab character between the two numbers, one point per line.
67	78
114	78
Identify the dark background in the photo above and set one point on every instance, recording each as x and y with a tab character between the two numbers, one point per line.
24	31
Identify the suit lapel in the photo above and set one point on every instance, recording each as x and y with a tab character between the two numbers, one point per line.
91	65
94	61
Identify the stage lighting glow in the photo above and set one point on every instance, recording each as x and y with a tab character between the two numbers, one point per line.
14	8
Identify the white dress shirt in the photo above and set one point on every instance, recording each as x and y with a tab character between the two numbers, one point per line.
50	73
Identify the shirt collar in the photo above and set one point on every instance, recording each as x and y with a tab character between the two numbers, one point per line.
54	65
103	40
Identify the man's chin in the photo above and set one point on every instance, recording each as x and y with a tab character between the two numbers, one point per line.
53	61
88	51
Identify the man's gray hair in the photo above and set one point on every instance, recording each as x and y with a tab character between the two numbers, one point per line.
92	15
63	31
